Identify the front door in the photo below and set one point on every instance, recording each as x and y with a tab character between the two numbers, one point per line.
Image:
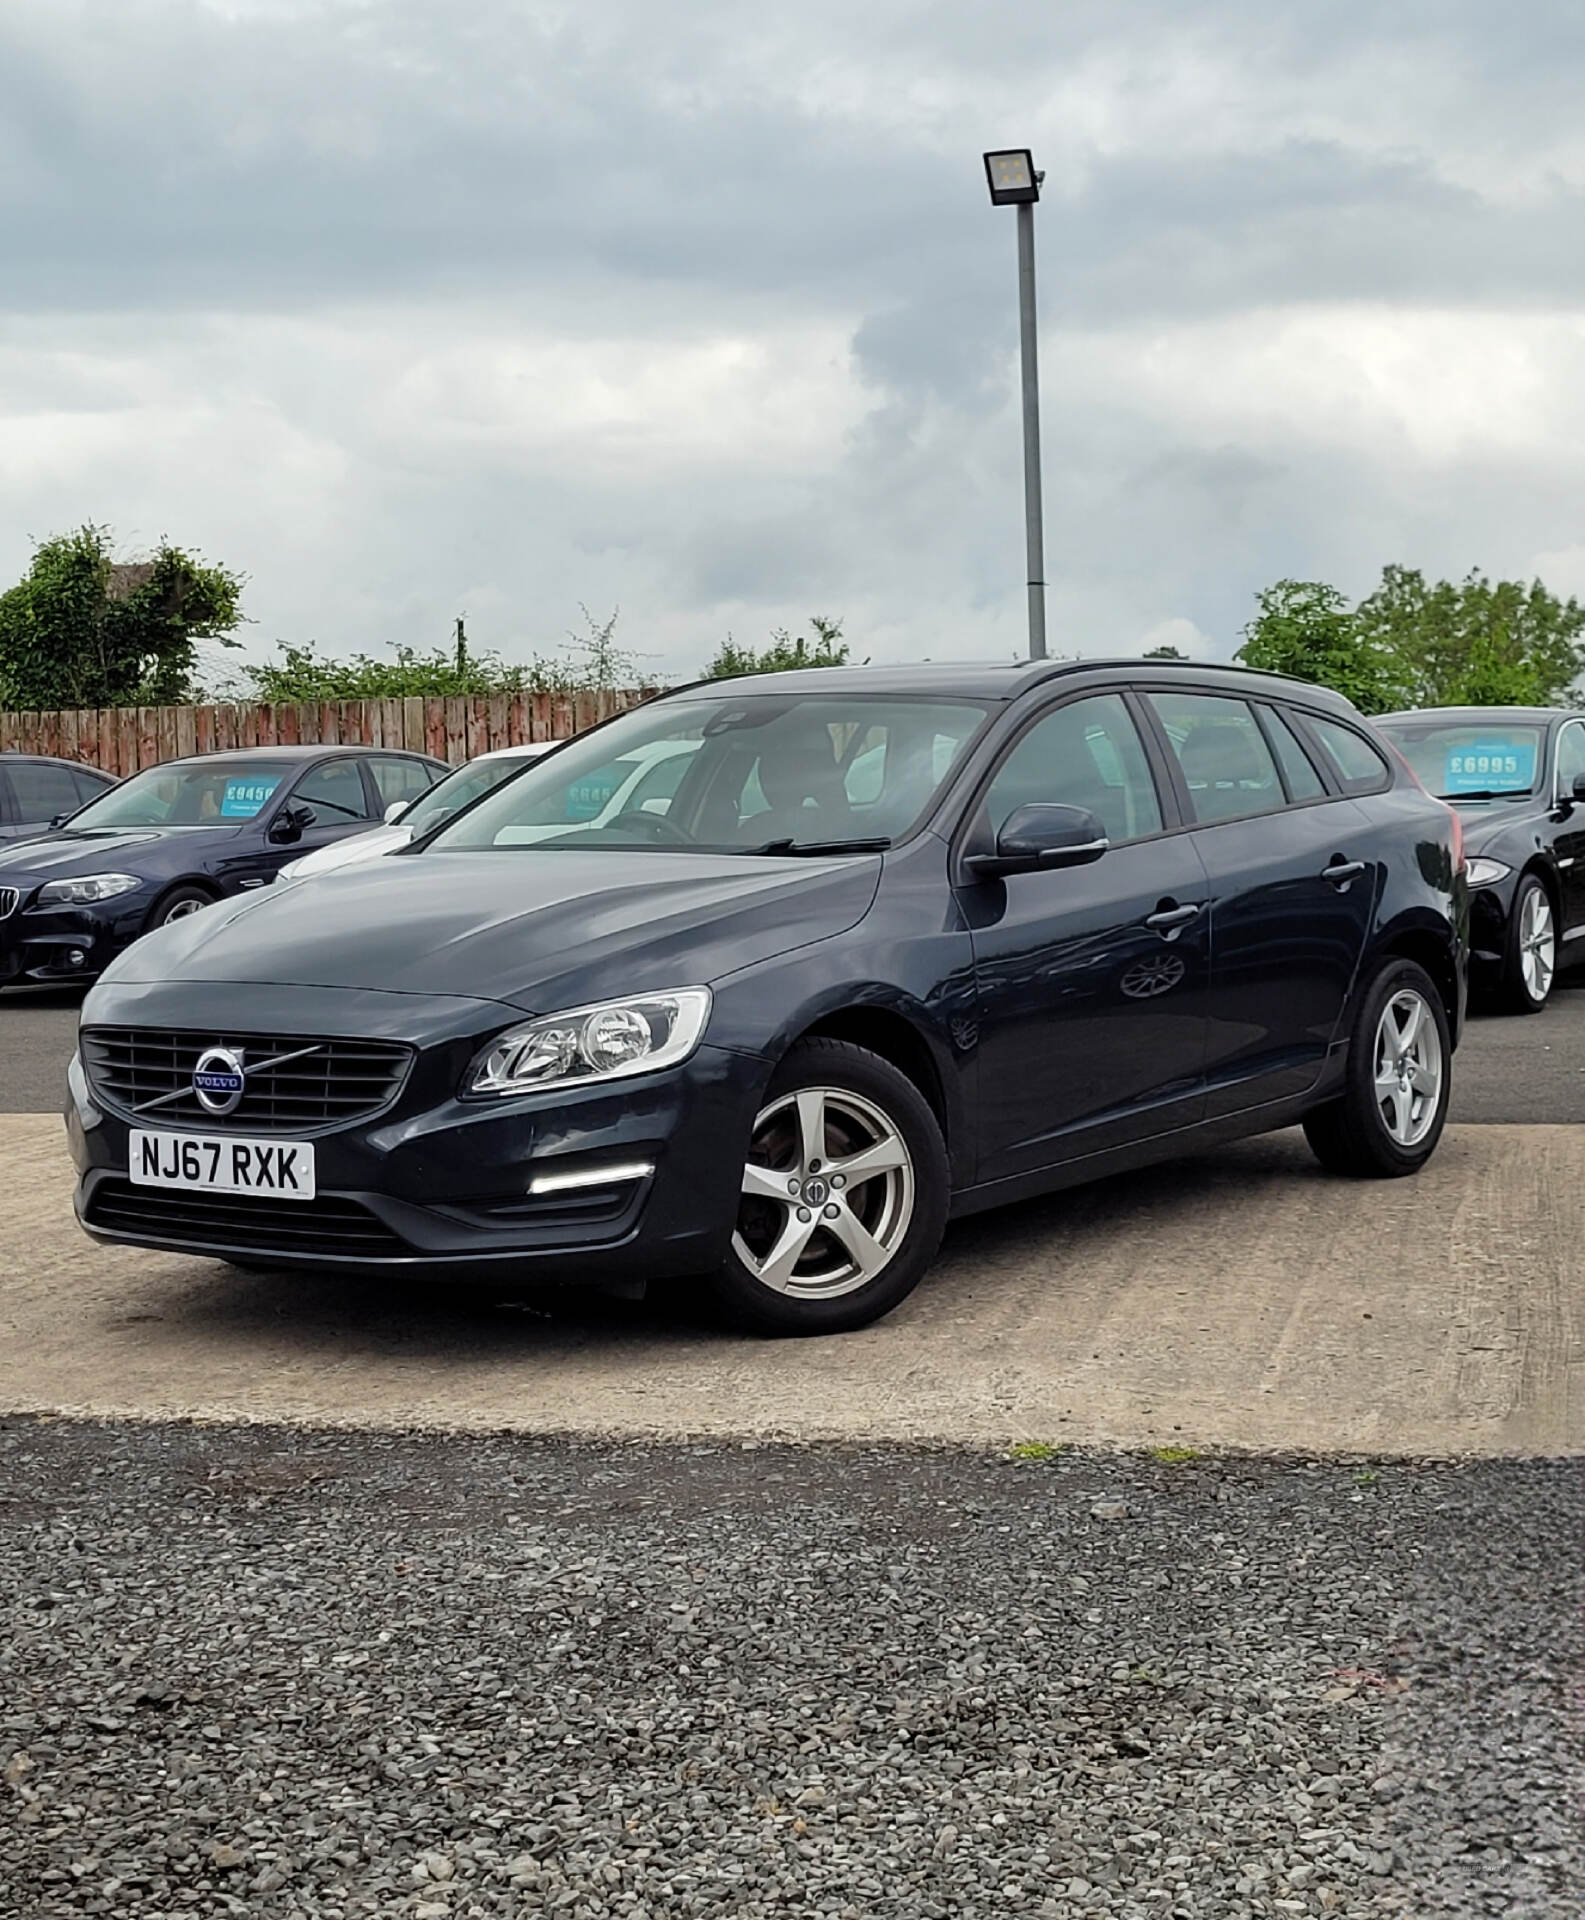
335	791
1091	981
1568	840
1293	890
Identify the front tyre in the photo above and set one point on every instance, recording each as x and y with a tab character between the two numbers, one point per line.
178	904
1393	1107
1530	953
843	1197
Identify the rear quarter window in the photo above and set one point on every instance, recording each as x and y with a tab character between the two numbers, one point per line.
1360	765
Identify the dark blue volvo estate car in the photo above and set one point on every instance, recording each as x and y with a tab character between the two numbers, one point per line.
897	944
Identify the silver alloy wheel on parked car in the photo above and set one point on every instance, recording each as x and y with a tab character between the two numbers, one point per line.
1537	943
827	1194
1408	1064
179	909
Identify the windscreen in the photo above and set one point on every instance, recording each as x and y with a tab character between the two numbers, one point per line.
190	793
759	773
459	790
1471	760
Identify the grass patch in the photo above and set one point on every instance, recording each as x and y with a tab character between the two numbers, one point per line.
1174	1456
1036	1449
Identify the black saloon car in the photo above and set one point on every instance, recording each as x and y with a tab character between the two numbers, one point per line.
34	790
181	836
900	943
1517	777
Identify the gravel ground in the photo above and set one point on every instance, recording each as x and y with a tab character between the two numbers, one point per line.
265	1672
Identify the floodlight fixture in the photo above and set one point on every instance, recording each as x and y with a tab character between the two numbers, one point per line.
1012	177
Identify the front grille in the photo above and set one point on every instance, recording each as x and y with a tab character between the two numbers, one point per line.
9	896
332	1083
256	1227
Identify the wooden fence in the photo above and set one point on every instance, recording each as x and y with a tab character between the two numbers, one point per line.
124	740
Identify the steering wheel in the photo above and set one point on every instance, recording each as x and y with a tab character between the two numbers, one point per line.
656	824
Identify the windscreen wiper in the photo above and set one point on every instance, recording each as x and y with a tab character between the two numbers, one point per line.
1490	793
877	845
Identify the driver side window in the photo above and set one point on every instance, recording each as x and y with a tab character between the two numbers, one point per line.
334	791
1086	754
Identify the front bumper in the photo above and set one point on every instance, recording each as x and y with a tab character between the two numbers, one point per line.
69	943
438	1183
1489	908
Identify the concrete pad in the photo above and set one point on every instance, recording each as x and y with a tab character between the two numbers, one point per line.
1245	1300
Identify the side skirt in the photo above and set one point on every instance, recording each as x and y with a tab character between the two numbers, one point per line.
1144	1153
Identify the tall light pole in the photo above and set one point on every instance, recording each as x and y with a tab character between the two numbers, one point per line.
1015	183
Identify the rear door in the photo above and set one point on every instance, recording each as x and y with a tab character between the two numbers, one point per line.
1091	981
399	777
1293	885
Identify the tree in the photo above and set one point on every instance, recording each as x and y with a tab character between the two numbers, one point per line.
597	661
1164	653
84	630
1476	643
1307	629
304	673
1417	644
826	648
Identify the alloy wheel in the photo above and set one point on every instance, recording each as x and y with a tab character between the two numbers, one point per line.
827	1194
1537	944
180	909
1408	1068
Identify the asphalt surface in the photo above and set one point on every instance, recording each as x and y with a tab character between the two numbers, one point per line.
267	1672
1509	1071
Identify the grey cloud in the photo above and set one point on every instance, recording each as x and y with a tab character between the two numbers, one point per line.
677	172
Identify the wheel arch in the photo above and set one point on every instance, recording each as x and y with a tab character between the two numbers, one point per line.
183	883
1432	951
1546	872
904	1040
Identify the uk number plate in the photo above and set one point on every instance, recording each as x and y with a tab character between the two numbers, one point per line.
277	1169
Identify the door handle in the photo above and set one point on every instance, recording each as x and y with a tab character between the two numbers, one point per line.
1168	919
1341	871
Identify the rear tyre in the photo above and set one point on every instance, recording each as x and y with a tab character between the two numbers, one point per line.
1393	1107
843	1198
1529	963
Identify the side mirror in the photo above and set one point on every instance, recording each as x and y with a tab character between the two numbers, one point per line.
1578	788
1039	836
394	811
58	820
290	823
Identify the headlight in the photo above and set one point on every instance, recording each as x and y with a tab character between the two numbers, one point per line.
608	1041
84	892
1486	873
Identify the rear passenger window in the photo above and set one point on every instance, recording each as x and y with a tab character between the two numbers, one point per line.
1226	763
1299	777
1087	754
1359	766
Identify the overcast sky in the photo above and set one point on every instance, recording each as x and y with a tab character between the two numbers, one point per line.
407	308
